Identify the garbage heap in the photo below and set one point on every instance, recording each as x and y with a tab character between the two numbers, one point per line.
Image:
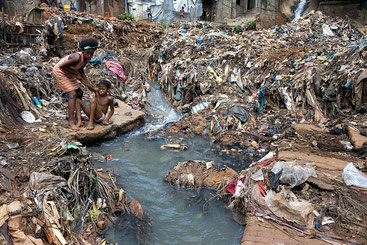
113	33
56	196
297	195
50	192
300	196
307	67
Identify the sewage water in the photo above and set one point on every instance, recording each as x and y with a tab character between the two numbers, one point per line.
178	214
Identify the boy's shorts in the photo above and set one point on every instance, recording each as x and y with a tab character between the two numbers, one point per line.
101	119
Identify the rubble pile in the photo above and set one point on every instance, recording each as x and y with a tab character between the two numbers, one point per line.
306	67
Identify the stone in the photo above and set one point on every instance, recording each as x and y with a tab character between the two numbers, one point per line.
136	209
122	123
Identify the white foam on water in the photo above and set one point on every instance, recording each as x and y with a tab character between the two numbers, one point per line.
300	9
159	106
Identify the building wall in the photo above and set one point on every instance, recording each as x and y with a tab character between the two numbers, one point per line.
356	10
225	9
269	13
17	7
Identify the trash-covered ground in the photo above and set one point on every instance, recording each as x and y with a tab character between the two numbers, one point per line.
293	91
290	90
50	191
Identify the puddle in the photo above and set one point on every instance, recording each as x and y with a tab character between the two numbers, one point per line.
177	214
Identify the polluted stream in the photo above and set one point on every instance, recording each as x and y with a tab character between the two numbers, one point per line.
178	215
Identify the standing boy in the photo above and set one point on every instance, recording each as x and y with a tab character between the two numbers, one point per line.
182	14
213	14
149	12
97	112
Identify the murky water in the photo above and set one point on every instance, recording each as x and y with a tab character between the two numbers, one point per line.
178	216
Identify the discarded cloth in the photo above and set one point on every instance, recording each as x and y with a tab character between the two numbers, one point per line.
117	69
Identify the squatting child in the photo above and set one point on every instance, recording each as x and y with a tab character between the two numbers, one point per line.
69	70
97	112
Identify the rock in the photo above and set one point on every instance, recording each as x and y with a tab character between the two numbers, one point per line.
122	124
356	138
308	128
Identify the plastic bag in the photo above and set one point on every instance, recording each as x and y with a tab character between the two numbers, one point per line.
44	182
327	31
241	113
293	174
353	176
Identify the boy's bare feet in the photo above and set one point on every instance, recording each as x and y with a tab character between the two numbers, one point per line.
73	126
79	124
90	126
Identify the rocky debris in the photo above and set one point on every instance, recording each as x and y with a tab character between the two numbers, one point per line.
199	174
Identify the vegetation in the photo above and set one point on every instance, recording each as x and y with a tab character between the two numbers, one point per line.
238	29
126	16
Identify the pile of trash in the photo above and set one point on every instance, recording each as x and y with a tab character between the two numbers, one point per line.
72	27
51	193
307	67
296	194
299	196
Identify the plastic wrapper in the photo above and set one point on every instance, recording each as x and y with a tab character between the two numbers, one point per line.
293	174
352	176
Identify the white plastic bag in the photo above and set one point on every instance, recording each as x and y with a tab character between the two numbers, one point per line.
292	173
327	31
353	176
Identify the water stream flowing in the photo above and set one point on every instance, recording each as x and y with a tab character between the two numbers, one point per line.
158	105
300	9
179	215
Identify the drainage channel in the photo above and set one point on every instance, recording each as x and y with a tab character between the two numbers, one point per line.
178	215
